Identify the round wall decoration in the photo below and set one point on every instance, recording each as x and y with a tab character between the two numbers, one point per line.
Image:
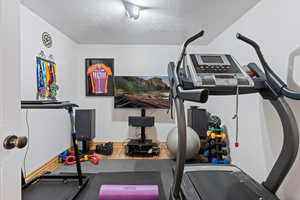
47	40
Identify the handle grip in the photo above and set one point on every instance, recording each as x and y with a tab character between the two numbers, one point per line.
247	40
272	78
200	96
290	93
193	38
183	52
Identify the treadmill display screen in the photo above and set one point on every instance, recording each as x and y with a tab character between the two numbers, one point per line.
212	59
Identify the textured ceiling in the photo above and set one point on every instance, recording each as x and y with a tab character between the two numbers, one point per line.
161	21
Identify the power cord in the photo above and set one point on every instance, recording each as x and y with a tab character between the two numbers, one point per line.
236	116
28	139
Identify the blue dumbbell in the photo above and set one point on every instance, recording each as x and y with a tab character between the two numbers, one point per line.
206	154
217	161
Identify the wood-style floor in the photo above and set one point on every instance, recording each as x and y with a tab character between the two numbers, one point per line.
118	153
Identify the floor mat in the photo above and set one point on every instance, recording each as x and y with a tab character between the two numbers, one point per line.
49	190
53	189
127	165
122	178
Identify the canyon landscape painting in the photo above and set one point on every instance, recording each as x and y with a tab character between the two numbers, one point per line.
141	92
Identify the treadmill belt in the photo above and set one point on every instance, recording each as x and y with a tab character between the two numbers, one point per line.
223	185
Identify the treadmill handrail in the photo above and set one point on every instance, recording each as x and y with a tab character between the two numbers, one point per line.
290	145
290	93
289	148
183	52
197	95
272	78
264	63
179	95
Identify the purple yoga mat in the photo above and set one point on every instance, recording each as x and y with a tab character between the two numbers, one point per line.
129	192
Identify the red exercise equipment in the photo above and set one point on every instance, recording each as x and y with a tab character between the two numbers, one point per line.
70	160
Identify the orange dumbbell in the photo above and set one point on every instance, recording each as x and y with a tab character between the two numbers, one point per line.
214	136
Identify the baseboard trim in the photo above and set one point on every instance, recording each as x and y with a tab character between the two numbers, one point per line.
47	167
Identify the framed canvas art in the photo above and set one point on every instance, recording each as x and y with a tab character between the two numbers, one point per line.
99	76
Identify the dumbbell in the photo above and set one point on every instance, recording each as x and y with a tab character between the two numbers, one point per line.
212	143
217	161
224	152
213	129
214	121
206	154
214	152
208	133
222	143
214	136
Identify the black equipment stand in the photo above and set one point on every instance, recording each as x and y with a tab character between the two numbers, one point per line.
142	146
85	147
143	134
82	180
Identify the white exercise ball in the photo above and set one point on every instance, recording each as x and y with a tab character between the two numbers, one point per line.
192	143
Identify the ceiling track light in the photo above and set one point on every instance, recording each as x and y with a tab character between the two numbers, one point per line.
132	11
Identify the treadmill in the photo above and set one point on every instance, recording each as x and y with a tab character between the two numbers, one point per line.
194	78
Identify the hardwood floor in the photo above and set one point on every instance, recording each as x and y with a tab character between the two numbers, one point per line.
118	153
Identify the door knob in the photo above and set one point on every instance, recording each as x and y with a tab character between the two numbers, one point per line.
13	141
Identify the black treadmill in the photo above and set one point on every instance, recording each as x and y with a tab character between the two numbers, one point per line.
194	78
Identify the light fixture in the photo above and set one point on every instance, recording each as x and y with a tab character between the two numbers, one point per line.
132	11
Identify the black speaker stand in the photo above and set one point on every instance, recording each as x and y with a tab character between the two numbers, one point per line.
142	146
85	148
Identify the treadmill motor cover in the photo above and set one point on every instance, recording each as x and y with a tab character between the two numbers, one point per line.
225	185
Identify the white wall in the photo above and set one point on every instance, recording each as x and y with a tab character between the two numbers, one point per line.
112	124
130	60
49	129
275	26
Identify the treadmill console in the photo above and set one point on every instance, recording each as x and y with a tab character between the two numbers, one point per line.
213	70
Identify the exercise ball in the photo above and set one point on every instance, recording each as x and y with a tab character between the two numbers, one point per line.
192	143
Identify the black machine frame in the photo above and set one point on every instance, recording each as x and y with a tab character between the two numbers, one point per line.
82	180
266	83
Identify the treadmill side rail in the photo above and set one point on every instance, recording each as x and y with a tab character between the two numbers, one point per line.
210	167
290	145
